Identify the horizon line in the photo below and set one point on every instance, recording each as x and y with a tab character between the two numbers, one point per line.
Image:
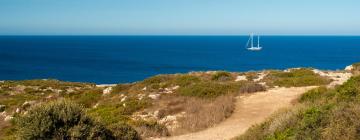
178	34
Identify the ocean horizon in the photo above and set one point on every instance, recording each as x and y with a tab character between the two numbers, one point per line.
124	59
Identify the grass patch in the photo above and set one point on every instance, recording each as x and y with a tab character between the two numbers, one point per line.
295	78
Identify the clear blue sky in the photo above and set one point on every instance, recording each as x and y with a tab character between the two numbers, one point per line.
161	17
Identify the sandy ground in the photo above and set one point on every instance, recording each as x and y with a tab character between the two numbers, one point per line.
250	109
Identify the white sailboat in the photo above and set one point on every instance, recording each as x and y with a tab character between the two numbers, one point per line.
250	44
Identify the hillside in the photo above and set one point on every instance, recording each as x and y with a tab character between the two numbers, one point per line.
321	113
160	106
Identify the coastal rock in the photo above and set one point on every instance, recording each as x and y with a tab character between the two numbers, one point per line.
154	96
261	76
8	118
241	78
123	99
144	89
105	85
18	110
28	104
141	96
170	89
107	91
170	122
349	68
70	90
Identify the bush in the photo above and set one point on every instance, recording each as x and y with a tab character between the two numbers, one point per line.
251	88
313	95
59	120
87	98
185	80
221	76
121	88
207	89
124	131
215	89
295	78
150	128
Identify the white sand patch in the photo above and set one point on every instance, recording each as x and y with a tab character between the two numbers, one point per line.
241	78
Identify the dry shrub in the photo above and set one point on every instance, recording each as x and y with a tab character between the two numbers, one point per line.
251	88
150	128
201	113
343	124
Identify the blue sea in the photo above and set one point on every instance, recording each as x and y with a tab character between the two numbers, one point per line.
122	59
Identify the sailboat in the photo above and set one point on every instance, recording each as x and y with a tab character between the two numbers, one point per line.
250	44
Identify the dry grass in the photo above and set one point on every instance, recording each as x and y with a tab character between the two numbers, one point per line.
201	114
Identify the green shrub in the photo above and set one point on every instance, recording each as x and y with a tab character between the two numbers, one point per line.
121	88
87	98
185	80
110	113
221	76
296	77
313	95
124	131
59	120
207	89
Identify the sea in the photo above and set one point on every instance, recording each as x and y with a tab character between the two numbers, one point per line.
124	59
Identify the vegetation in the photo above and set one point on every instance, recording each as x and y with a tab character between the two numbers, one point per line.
221	76
128	110
295	78
321	114
60	120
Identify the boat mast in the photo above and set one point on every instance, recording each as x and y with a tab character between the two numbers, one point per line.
252	40
258	45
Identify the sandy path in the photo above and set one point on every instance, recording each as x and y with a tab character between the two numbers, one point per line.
249	110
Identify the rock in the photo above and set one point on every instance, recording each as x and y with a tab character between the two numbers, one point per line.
3	114
107	90
349	68
124	105
17	110
123	99
96	105
28	104
70	90
144	89
175	87
106	85
156	114
141	96
2	81
2	108
154	96
167	119
261	76
321	73
8	118
241	78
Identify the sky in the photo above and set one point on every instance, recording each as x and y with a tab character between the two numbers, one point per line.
179	17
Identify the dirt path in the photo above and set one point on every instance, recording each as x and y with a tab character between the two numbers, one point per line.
249	110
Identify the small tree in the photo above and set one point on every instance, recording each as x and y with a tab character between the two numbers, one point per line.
59	120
